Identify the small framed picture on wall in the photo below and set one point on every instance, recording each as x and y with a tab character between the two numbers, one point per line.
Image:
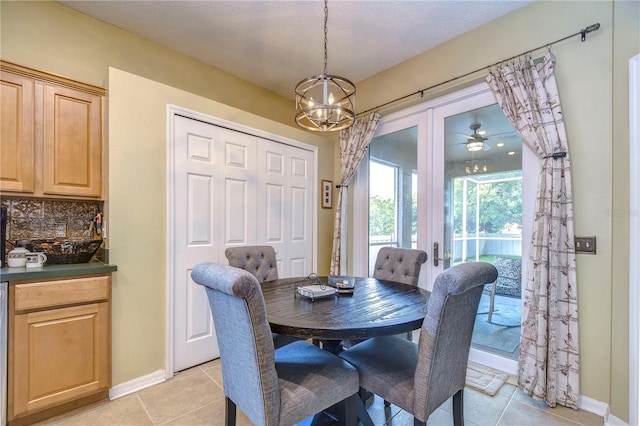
327	194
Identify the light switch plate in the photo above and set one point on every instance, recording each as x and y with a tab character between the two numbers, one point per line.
585	245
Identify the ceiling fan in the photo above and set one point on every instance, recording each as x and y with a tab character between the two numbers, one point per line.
476	140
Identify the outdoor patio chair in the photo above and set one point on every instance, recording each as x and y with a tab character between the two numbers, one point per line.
508	283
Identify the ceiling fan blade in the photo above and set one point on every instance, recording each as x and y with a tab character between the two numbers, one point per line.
465	135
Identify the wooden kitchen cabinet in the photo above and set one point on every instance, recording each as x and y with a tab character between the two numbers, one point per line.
17	162
51	135
59	350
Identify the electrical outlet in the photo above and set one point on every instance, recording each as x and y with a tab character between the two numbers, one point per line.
585	245
61	229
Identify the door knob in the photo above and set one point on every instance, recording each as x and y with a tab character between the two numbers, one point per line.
436	254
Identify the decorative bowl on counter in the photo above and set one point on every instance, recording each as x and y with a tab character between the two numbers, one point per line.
66	250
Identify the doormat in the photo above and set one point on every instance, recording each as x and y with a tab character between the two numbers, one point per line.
485	379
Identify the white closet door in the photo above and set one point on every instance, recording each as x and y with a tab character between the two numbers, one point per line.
231	189
196	217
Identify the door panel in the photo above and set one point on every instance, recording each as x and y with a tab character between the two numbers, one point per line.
72	138
17	160
199	214
274	199
196	239
199	325
237	173
235	204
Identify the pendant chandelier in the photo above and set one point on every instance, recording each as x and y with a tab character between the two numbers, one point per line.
325	102
474	167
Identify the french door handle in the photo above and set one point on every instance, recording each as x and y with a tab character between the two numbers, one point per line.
436	259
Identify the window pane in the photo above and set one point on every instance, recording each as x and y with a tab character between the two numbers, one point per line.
392	192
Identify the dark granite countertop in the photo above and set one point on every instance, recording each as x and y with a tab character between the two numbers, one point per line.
55	271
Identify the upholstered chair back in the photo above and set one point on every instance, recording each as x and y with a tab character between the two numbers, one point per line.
399	264
445	336
244	338
260	261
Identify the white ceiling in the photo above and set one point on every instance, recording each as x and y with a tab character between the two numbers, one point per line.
275	44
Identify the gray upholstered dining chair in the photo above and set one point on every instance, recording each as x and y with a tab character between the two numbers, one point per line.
271	387
396	264
399	264
261	262
419	377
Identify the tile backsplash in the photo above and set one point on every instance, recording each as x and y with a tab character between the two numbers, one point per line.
36	219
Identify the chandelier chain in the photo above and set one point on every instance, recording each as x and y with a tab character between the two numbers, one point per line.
326	18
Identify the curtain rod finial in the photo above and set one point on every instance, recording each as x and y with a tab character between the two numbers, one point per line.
583	33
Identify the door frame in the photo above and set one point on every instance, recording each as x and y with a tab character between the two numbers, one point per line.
172	111
634	236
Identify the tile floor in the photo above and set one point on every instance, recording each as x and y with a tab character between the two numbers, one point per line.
194	397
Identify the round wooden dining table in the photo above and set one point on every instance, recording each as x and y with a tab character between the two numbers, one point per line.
376	308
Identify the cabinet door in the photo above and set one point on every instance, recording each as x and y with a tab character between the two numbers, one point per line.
59	355
17	139
72	141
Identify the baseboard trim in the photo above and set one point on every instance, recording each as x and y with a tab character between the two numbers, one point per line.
136	384
612	420
594	406
601	409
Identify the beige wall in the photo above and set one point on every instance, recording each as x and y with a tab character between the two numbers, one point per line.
593	88
597	126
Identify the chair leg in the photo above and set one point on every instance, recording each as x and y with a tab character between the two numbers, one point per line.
229	412
458	409
348	411
363	416
492	300
417	422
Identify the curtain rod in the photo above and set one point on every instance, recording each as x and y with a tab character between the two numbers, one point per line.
583	37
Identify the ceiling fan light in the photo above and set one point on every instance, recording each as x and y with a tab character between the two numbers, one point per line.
473	146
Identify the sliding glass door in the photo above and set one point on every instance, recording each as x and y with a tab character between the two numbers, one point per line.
447	177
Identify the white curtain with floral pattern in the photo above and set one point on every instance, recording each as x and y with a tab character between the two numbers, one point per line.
548	367
354	143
